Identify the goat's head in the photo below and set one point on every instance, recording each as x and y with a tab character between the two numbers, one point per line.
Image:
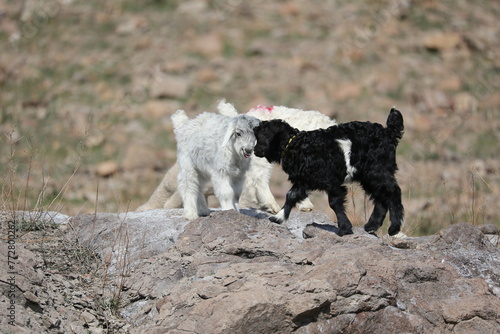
240	135
272	138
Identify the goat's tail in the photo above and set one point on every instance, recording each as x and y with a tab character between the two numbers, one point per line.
179	118
395	124
226	108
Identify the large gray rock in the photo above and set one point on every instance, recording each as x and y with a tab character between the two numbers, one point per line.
121	239
232	273
126	237
240	273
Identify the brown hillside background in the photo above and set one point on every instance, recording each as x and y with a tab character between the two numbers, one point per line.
87	89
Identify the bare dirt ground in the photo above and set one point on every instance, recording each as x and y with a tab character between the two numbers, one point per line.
87	89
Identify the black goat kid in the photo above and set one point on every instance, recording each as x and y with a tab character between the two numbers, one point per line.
327	159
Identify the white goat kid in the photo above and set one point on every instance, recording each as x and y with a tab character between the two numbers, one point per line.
212	148
256	189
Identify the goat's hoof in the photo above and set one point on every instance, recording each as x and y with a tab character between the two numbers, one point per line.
275	220
269	210
399	235
372	233
274	209
345	232
204	213
394	230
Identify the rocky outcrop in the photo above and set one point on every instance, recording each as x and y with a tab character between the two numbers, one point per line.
121	239
234	273
239	273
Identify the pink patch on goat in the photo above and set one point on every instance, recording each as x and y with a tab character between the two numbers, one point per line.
268	108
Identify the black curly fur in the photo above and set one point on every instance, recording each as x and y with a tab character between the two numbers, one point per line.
314	160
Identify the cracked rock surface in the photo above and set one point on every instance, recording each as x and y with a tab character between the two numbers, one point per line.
237	273
240	273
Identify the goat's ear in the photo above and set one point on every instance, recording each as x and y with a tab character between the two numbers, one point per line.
254	122
231	128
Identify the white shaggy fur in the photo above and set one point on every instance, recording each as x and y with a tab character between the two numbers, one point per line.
345	146
166	195
256	189
213	148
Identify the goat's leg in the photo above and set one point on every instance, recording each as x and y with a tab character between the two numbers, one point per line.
238	184
224	192
306	205
336	199
250	193
377	217
265	197
396	211
174	201
386	195
258	177
293	196
188	189
164	192
201	201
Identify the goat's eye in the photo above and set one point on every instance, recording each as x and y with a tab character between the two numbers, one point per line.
238	134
